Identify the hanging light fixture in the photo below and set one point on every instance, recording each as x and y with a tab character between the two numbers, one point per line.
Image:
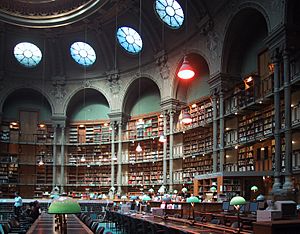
82	159
186	117
41	162
138	148
162	138
186	71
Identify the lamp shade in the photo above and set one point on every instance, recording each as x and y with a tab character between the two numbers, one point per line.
64	205
175	191
146	198
186	71
193	199
184	190
138	148
237	201
166	198
260	197
161	189
162	138
133	197
254	188
186	117
124	197
151	190
213	189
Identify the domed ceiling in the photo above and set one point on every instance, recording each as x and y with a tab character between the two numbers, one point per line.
49	13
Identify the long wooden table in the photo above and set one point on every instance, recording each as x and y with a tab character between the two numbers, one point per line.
45	224
184	224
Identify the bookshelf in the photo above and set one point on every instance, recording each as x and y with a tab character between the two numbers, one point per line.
85	133
246	161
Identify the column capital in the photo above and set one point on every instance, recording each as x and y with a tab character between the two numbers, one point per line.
118	117
169	104
59	120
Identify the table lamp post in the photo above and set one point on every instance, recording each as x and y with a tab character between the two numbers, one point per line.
237	202
254	189
166	199
61	207
193	200
184	190
146	198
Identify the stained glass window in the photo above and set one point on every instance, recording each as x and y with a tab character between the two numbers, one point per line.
27	54
83	53
130	40
170	12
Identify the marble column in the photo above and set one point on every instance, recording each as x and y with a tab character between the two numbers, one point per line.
277	117
165	151
54	155
288	185
171	148
119	173
221	115
112	154
215	132
62	166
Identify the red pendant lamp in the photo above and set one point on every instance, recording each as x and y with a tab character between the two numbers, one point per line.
186	117
186	71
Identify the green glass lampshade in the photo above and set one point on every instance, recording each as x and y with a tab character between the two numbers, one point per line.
64	205
254	188
184	190
193	199
213	189
123	197
175	191
260	197
151	190
166	198
237	201
146	198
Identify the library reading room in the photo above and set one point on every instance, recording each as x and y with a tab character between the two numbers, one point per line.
144	117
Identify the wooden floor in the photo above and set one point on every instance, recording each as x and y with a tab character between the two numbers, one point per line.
45	224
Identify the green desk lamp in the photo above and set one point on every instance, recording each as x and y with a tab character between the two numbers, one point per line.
237	202
193	200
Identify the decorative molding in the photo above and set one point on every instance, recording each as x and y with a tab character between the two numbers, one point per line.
58	91
205	25
213	44
114	82
162	62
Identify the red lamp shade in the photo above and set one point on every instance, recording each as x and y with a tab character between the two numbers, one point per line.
186	71
186	117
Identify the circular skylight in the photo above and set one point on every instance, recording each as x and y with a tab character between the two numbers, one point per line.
170	12
130	40
27	54
83	53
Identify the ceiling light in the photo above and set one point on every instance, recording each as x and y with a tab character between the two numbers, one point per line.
186	71
81	126
82	159
41	163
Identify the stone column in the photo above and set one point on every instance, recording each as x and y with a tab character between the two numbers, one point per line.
112	154
221	113
215	132
119	175
62	166
171	148
288	185
165	152
54	155
277	159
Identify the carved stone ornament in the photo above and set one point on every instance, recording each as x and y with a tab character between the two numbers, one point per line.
59	92
212	44
164	70
114	83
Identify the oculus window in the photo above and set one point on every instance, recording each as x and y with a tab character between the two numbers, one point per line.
170	12
130	40
27	54
83	53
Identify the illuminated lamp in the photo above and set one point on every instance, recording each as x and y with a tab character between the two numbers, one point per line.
186	71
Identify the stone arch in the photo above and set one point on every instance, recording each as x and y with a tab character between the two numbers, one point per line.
234	25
